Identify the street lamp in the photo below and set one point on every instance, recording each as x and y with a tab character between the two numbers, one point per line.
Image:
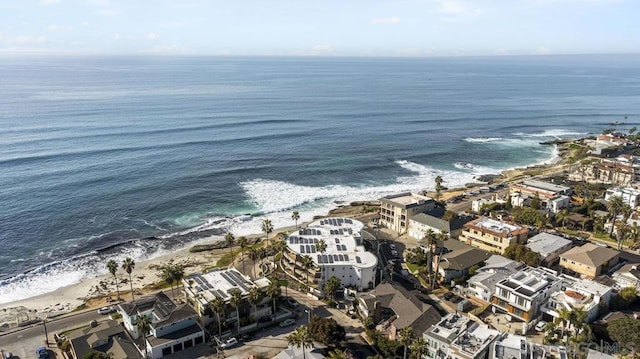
308	315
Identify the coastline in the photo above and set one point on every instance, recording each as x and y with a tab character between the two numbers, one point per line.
94	292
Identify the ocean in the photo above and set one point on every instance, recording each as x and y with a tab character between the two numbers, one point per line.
109	157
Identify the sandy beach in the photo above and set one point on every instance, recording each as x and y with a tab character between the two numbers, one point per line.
96	292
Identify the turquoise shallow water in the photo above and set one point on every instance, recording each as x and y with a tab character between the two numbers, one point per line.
110	157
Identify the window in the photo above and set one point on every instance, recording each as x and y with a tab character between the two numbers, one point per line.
177	347
197	340
166	351
188	344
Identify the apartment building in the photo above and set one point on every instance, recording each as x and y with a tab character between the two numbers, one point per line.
397	209
457	336
483	284
628	276
202	288
549	246
589	260
583	294
522	294
492	235
630	195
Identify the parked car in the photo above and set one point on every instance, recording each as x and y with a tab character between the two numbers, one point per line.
105	310
287	323
540	326
292	302
456	299
448	295
229	343
246	337
392	246
42	352
394	253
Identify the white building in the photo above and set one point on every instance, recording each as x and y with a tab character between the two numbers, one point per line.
457	336
510	346
552	196
522	294
173	328
579	294
202	289
627	276
397	209
476	204
629	195
345	256
483	284
549	246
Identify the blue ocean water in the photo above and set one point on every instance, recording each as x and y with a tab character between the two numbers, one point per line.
107	157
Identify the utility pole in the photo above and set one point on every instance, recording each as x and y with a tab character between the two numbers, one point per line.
46	335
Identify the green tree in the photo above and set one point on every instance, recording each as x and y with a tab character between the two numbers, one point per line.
144	328
331	285
432	242
615	206
295	216
235	300
439	186
522	253
267	228
178	274
243	242
307	263
337	354
416	348
255	296
406	337
301	338
128	265
273	292
112	266
625	298
230	239
217	306
326	331
254	255
168	276
627	332
535	201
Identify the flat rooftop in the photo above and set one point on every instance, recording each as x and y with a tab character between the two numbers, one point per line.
342	236
548	186
475	339
497	227
218	283
406	199
546	243
449	328
529	281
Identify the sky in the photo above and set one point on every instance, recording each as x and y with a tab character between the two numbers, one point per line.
319	27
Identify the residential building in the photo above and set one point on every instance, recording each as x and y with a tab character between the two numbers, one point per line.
422	222
522	294
107	337
483	284
492	235
295	352
548	246
510	346
477	204
630	196
392	308
397	209
202	288
457	336
552	196
173	327
344	257
456	264
627	276
583	294
589	260
620	171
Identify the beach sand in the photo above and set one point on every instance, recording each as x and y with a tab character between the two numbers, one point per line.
95	292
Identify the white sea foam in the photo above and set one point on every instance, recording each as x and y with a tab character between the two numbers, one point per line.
483	139
554	133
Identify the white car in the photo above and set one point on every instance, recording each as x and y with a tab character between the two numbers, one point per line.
540	326
287	323
229	343
105	310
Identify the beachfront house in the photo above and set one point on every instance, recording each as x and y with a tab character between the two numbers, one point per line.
522	294
173	327
420	223
589	260
492	235
396	210
107	337
202	288
620	171
548	246
552	196
344	257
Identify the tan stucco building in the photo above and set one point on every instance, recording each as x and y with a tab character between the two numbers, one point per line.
491	235
589	260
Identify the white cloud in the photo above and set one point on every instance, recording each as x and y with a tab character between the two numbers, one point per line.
319	50
49	2
152	36
457	11
22	40
60	28
386	20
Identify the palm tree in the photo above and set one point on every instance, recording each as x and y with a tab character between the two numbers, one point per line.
255	296
406	337
307	263
144	327
337	354
168	276
217	305
442	236
112	266
273	292
564	317
254	255
301	338
236	299
331	285
128	265
416	348
231	240
178	274
614	206
430	237
243	242
267	228
321	246
295	216
439	187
